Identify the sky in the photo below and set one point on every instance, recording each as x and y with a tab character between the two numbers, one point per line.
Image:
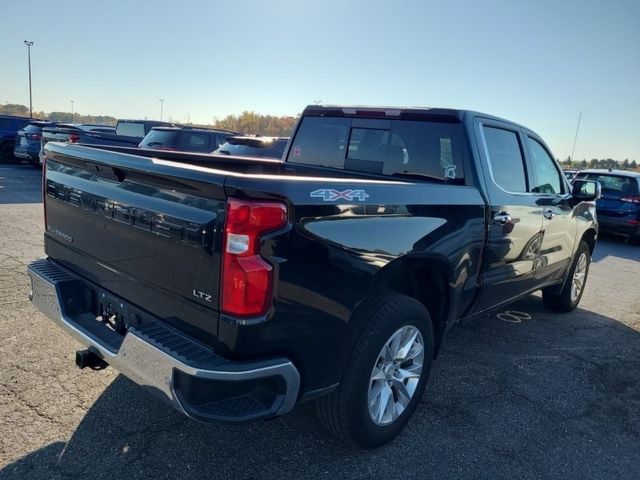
539	62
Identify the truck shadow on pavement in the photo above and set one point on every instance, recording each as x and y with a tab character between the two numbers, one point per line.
552	396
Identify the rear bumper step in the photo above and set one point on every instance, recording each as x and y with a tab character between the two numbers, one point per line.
191	377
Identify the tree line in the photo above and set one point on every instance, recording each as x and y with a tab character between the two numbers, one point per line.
248	122
625	164
255	123
66	117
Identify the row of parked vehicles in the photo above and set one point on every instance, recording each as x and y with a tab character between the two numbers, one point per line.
25	138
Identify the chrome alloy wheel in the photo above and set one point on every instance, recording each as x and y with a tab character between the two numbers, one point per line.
579	277
395	375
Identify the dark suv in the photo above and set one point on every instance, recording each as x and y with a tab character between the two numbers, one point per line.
27	142
254	146
619	208
185	139
9	125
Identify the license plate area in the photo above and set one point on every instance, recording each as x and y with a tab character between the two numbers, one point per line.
112	312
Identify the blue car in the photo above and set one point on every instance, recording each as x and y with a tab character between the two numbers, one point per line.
9	125
618	209
27	143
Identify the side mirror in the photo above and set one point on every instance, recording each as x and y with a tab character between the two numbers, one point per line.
586	190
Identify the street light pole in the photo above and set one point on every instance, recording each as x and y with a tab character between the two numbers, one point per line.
72	116
29	45
161	105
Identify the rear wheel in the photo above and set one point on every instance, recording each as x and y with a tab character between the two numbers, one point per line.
385	376
6	153
571	293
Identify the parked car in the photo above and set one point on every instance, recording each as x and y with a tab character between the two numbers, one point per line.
619	208
27	141
253	146
71	133
9	126
236	291
127	133
185	139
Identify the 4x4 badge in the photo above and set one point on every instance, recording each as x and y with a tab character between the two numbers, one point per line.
330	194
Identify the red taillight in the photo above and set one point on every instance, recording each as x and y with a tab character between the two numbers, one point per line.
34	136
73	138
247	278
630	199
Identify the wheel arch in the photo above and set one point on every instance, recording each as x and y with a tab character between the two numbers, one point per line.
429	278
590	236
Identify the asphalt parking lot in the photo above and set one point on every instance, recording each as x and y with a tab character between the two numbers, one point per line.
538	395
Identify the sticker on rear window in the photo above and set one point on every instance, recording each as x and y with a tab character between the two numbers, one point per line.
450	171
297	151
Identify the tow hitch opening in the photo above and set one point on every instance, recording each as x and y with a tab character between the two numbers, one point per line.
86	358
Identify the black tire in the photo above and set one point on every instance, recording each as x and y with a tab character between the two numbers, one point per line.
563	301
6	153
35	163
345	411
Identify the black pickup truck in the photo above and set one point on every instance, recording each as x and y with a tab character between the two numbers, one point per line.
235	288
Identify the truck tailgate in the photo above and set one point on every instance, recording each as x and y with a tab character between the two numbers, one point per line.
147	235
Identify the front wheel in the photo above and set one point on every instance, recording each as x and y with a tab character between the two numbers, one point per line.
385	376
571	293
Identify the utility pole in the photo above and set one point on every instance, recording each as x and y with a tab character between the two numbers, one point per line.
29	45
161	105
72	115
576	137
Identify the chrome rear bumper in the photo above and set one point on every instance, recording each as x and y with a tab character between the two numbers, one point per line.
192	377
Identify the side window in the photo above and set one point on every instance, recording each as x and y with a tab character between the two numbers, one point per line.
546	175
505	159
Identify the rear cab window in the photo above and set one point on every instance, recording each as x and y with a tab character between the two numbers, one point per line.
130	129
381	146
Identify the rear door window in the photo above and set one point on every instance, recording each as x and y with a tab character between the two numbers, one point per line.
505	159
388	147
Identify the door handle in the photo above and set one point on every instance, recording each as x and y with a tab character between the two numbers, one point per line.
548	214
502	218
